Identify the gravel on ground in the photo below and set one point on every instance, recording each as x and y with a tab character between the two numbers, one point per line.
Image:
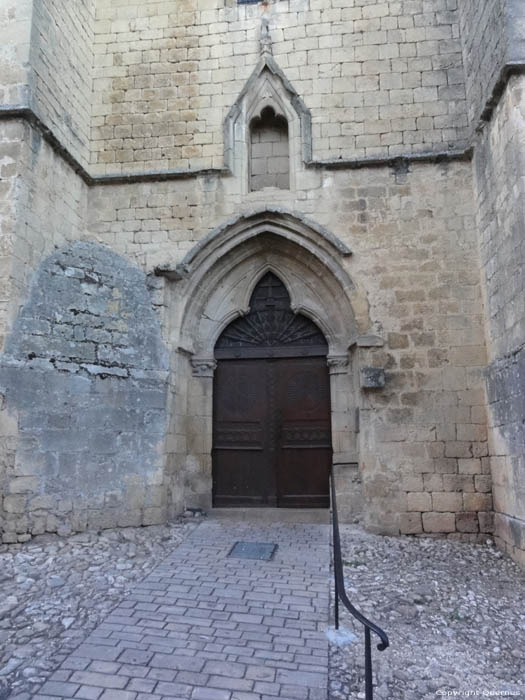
55	590
454	613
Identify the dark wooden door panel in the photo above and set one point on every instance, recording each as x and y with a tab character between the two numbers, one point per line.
240	435
240	479
303	478
305	445
271	418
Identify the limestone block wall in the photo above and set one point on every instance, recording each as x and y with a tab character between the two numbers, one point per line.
493	38
500	187
61	60
48	201
380	78
84	383
97	426
269	161
11	149
423	456
516	31
485	44
15	29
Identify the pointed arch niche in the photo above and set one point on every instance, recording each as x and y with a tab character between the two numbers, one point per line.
269	153
215	286
268	116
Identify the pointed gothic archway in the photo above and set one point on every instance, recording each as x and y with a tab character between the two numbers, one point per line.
271	416
213	287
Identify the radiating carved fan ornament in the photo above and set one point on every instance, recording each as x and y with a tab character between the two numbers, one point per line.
271	328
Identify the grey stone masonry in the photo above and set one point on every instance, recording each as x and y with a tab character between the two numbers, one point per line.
204	626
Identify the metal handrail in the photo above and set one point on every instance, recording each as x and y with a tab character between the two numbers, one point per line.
341	595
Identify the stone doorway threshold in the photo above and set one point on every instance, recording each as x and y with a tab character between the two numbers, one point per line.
272	515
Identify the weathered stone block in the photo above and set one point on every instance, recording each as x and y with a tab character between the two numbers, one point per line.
486	522
24	484
477	501
483	483
15	504
469	466
458	449
419	502
439	522
397	341
154	516
410	524
446	502
467	522
372	378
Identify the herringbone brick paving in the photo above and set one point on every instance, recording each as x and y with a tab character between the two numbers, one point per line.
203	626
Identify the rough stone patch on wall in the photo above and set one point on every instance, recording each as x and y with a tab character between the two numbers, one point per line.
84	382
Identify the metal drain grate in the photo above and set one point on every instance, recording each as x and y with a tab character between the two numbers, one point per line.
263	551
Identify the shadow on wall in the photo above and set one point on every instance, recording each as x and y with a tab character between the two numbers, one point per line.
84	375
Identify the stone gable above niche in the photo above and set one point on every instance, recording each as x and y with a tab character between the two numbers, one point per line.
267	94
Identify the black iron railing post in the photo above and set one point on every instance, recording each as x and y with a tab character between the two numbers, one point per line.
341	595
336	605
369	687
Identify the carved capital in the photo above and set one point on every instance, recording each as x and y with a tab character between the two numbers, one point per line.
203	367
337	364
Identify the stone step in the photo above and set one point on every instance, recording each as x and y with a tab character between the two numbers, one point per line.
272	515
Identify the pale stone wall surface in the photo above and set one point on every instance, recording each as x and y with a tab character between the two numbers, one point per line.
484	38
269	155
516	31
15	30
11	149
61	59
50	205
423	443
131	86
380	78
500	184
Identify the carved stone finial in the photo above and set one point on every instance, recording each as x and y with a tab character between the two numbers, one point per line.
266	37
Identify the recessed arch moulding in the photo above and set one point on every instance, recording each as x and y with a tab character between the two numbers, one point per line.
213	286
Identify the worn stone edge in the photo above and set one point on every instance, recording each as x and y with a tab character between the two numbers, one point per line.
510	69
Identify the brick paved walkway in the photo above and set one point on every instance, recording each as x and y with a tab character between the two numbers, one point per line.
206	627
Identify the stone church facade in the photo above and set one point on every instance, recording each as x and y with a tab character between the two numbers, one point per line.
161	159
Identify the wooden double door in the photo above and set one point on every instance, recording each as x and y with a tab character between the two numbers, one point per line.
272	432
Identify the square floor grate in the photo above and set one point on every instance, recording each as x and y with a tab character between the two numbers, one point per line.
263	551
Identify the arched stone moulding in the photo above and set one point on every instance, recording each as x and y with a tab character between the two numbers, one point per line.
313	273
214	286
267	87
287	223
